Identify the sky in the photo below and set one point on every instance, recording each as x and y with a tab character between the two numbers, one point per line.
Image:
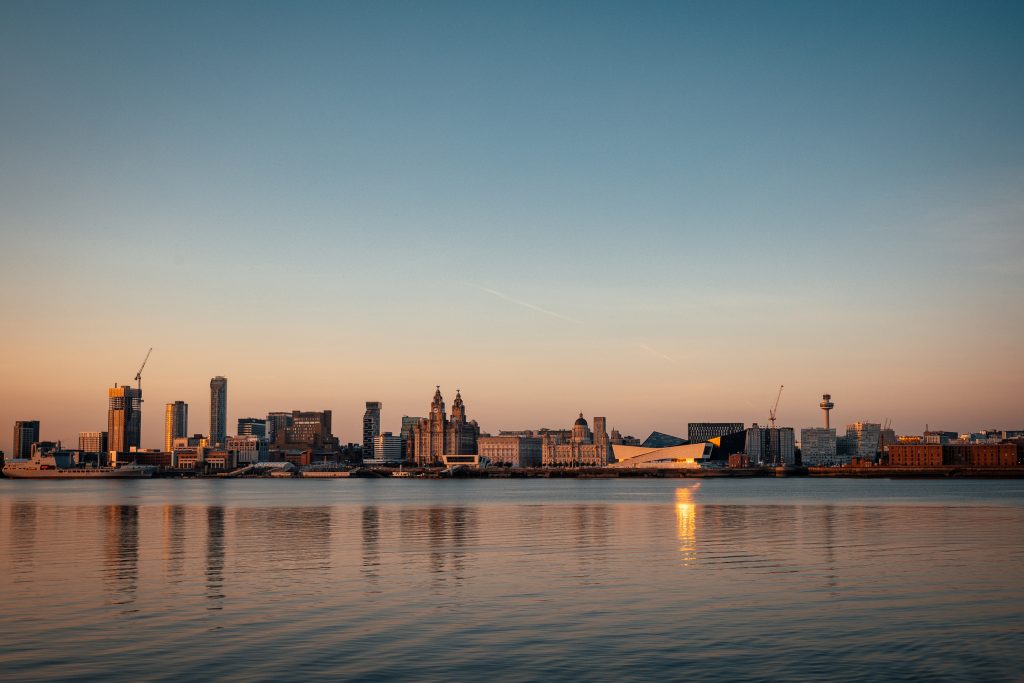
654	212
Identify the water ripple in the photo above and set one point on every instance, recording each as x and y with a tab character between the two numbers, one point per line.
525	580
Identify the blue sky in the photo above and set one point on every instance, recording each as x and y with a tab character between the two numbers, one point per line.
657	212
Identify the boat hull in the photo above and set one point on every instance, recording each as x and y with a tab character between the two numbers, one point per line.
99	473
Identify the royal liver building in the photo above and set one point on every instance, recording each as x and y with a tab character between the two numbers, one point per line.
437	435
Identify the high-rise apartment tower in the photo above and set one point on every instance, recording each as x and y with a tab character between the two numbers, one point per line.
218	410
175	423
371	426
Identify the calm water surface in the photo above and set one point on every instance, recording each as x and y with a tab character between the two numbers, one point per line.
272	580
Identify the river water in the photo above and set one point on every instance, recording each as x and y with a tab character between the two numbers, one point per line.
268	580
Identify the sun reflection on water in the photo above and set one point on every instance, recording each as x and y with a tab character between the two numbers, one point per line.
686	523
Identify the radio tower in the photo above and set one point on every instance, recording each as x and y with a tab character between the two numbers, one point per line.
826	405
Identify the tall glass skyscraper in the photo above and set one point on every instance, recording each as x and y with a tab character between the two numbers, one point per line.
218	410
175	423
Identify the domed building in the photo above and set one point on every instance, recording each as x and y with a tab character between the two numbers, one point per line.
583	448
581	431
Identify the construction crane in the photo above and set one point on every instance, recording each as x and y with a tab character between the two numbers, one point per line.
771	413
138	375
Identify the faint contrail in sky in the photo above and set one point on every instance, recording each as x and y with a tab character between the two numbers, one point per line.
526	304
659	354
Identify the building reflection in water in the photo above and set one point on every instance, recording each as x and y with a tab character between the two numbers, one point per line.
215	557
371	544
449	534
686	523
174	540
283	544
23	540
121	569
591	526
829	520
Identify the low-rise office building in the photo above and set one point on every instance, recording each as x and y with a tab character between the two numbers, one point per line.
514	451
387	449
247	450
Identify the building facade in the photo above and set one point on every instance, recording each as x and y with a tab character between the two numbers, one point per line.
93	442
310	428
218	410
512	451
371	425
408	422
863	440
252	426
387	449
768	446
246	450
979	454
124	418
276	424
437	435
583	448
818	448
915	455
697	432
939	437
683	456
204	459
175	423
26	433
953	455
194	441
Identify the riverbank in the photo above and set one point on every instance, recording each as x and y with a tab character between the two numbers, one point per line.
617	473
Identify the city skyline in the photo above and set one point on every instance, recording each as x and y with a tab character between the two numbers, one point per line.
392	422
655	213
581	340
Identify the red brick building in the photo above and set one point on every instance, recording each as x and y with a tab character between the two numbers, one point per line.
915	455
739	460
953	455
